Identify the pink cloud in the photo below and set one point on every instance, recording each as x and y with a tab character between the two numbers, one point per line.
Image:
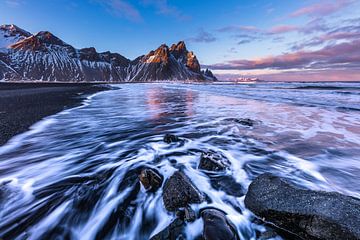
321	75
283	29
343	55
310	75
321	9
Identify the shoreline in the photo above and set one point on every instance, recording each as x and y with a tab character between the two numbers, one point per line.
24	104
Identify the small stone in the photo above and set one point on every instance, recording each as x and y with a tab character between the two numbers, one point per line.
170	138
190	215
150	179
245	121
212	161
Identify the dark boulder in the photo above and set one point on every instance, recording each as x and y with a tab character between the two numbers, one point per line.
306	213
178	192
217	226
172	232
212	161
151	179
170	138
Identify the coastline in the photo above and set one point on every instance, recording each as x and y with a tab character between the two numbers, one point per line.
23	104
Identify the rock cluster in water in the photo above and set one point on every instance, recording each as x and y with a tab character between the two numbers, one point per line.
293	212
179	192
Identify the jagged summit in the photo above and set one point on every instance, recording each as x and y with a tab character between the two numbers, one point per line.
160	55
39	41
188	58
10	34
49	38
12	30
178	49
44	56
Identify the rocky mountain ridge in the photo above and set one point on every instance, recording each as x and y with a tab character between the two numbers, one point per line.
45	57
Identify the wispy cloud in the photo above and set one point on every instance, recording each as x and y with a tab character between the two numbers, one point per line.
14	3
164	8
321	9
235	28
248	34
345	30
121	8
127	10
202	36
244	41
343	55
282	29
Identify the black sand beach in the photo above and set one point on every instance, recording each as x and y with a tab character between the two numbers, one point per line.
23	104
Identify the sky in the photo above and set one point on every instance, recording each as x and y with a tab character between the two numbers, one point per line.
276	40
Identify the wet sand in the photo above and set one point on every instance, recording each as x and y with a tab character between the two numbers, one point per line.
23	104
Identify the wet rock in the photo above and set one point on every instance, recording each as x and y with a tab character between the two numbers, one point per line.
245	121
212	161
190	215
151	179
172	232
306	213
227	184
178	192
217	226
187	214
170	138
86	196
268	234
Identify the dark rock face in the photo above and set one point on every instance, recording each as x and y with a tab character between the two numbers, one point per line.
308	214
178	192
207	73
43	56
170	138
173	232
181	54
212	161
151	179
217	226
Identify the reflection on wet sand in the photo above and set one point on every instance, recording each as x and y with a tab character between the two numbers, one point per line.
163	104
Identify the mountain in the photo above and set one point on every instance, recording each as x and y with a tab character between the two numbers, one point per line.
10	34
45	57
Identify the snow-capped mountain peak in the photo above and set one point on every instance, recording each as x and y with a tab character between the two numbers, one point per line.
10	34
45	57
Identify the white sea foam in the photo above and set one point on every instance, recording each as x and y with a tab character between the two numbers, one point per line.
92	154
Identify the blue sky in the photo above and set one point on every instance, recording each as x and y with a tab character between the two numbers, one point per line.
235	38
